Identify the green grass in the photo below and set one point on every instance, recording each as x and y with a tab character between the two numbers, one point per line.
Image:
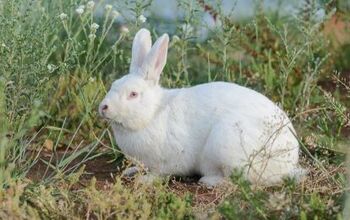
56	65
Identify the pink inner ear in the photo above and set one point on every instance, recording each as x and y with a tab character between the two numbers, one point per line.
160	57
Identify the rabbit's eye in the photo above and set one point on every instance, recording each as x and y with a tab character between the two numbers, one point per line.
133	95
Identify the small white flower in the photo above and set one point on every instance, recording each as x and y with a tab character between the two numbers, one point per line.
94	26
51	68
187	29
142	18
92	37
115	13
3	45
79	11
92	79
108	7
176	38
124	29
90	5
63	16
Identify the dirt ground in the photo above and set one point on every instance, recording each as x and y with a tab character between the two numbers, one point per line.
104	170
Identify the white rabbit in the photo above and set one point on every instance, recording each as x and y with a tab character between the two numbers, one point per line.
209	129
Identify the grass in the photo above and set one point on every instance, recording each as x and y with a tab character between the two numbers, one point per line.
59	160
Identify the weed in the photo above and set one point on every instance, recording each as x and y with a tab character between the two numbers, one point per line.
58	58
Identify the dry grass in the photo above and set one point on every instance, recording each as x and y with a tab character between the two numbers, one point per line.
322	181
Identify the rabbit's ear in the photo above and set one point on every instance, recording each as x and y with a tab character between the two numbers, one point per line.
141	46
156	59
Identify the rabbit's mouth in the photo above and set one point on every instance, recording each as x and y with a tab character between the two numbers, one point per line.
112	120
116	122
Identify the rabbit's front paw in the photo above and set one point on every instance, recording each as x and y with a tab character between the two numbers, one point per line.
147	179
211	181
130	171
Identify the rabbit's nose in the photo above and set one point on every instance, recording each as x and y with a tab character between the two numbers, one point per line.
104	108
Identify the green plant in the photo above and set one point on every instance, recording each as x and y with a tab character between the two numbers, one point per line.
58	58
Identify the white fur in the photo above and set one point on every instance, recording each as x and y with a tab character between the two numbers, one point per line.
208	129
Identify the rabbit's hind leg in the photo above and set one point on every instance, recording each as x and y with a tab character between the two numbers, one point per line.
221	154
